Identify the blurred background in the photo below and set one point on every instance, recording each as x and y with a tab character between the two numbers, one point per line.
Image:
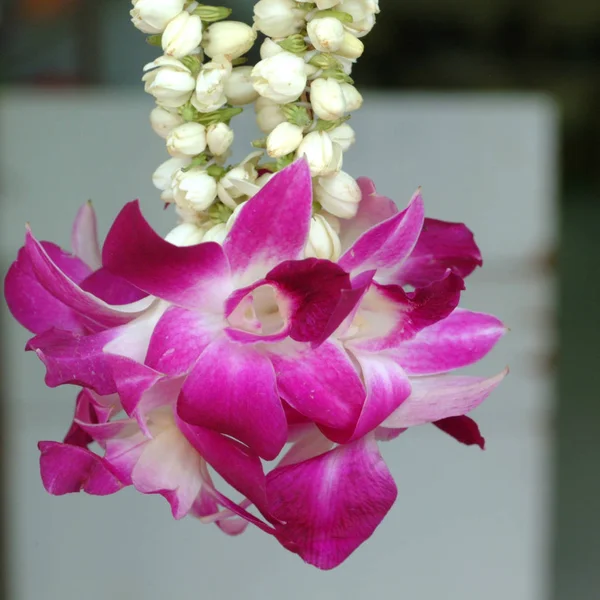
494	107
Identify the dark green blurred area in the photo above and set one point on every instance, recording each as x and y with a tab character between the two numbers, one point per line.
550	46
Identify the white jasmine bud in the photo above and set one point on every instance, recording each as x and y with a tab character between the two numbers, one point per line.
163	121
343	135
210	86
217	233
229	185
163	176
351	47
327	99
270	48
280	78
353	98
234	216
152	16
188	139
338	194
182	35
268	114
326	34
219	138
264	179
230	39
278	18
322	4
363	14
238	87
285	138
323	156
323	241
194	189
185	234
169	81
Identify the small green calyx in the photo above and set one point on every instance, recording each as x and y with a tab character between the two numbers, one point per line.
216	172
212	14
219	213
294	43
223	115
241	60
284	161
262	143
337	75
325	61
193	63
188	112
154	40
323	125
340	15
198	161
296	115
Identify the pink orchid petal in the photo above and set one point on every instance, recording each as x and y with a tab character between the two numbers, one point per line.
383	434
235	463
387	388
74	359
440	397
188	276
109	431
392	315
179	338
312	443
462	429
64	289
273	225
31	304
232	390
67	469
315	287
385	246
441	246
111	289
170	466
122	451
84	237
321	384
332	503
372	210
142	389
458	341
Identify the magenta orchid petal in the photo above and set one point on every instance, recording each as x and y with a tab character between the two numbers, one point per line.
235	463
458	341
64	289
85	411
75	359
387	388
372	210
232	390
107	432
385	246
169	466
393	315
315	287
273	225
67	469
441	246
84	237
321	384
111	288
440	397
124	451
186	276
463	429
31	304
179	338
332	503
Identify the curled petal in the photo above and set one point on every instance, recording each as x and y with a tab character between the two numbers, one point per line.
64	289
385	246
441	246
273	225
463	429
436	398
188	276
84	237
458	341
232	390
332	503
67	469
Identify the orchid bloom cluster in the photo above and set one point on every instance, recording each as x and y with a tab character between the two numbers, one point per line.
241	356
302	94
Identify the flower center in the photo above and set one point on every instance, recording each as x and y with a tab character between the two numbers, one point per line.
260	312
